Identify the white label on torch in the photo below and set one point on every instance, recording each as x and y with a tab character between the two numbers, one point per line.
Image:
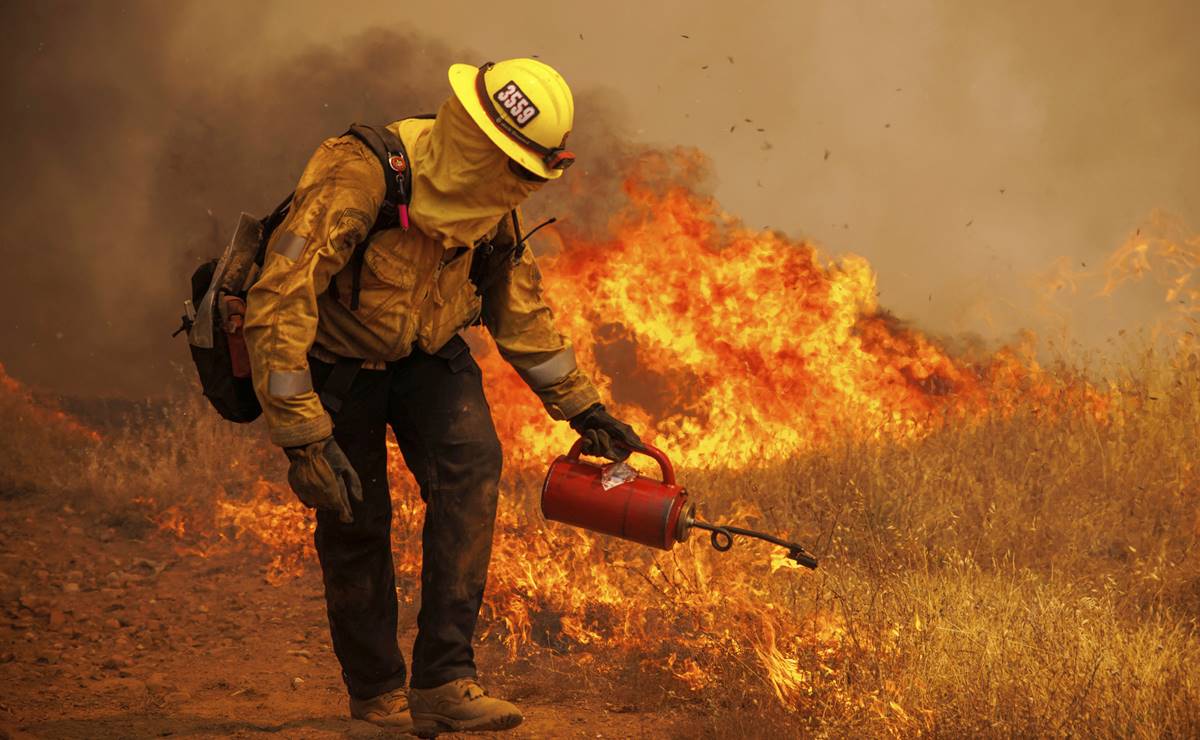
616	474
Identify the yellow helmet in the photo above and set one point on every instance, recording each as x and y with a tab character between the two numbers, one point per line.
524	107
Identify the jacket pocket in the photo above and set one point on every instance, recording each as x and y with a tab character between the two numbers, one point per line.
386	297
452	305
390	268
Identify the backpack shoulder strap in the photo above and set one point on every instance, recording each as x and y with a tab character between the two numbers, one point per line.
397	178
269	224
397	173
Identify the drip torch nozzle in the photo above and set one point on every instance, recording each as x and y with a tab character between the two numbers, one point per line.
721	537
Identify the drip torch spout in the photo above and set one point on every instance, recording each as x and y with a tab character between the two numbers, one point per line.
721	537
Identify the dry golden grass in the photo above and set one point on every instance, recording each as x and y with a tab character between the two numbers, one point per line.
1028	576
1023	576
128	462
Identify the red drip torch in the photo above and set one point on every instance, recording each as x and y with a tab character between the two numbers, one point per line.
614	500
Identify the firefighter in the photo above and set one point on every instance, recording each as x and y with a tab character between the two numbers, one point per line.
394	322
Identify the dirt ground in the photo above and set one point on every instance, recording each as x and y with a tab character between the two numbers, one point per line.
107	635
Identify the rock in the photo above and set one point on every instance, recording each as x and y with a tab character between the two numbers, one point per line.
48	657
178	697
152	567
116	661
70	587
297	682
157	683
112	623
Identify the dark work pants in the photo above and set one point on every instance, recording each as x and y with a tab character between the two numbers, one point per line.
437	410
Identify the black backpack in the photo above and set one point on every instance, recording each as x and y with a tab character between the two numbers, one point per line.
214	315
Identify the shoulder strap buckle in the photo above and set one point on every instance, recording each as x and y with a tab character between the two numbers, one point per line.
397	173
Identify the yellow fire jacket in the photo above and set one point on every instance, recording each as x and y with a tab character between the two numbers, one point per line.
415	288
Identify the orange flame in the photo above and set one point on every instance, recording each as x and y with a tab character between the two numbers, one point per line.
41	410
729	345
1162	250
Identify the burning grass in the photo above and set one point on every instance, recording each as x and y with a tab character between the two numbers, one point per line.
1007	549
1024	575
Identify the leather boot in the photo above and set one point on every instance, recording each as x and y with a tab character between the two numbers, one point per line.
459	706
386	710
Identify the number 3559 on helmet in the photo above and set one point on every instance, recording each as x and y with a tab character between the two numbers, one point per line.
524	106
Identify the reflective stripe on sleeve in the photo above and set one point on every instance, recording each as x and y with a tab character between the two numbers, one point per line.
290	245
288	383
553	370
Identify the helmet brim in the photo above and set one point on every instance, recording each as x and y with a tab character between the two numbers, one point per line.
462	81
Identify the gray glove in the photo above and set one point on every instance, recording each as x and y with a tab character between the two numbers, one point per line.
323	478
603	435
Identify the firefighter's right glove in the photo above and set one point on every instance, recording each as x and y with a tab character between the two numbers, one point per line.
605	436
323	478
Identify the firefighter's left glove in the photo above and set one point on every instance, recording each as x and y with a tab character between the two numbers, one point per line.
323	478
605	436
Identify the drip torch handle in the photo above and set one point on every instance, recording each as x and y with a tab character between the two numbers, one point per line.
722	539
660	457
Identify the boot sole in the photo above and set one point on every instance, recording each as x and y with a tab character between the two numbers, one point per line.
397	725
430	725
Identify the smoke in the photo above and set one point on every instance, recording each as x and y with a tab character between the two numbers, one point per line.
135	133
125	169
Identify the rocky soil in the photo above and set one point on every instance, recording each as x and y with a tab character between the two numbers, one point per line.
119	631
